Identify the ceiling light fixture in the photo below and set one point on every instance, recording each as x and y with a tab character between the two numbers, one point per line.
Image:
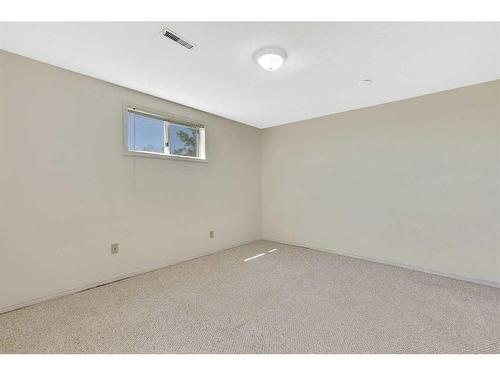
270	59
365	82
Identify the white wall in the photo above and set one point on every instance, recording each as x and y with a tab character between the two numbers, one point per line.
414	182
67	191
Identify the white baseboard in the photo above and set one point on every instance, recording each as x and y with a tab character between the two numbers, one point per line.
119	277
401	265
146	270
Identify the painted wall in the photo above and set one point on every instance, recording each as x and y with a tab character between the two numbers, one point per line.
67	190
414	182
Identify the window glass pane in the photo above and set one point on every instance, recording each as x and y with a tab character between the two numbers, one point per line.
183	140
145	133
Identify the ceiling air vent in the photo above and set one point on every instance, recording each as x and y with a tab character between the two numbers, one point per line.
176	38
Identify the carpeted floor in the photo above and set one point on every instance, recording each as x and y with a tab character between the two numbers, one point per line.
290	300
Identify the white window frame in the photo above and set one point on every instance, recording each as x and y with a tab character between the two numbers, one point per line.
166	118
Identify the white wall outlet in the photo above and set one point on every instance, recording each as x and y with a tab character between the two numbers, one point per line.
114	248
212	234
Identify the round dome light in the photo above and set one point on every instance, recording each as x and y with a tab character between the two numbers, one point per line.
271	59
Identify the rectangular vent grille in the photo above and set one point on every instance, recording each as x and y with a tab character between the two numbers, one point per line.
176	38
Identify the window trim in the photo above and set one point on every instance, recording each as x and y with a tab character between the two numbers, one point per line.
167	117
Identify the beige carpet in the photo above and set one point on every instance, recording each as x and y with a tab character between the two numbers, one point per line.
291	300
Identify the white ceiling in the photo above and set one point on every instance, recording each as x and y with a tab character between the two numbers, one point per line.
326	60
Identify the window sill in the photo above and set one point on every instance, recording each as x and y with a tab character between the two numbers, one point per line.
163	156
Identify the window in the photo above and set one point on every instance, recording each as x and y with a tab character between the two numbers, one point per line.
152	134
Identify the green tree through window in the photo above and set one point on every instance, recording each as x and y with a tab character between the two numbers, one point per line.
184	140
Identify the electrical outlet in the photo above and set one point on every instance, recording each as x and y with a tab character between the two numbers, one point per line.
212	233
114	248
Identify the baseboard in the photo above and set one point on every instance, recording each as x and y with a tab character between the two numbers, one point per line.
151	269
110	280
401	265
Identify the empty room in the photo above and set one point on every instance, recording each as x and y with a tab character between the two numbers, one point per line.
193	187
